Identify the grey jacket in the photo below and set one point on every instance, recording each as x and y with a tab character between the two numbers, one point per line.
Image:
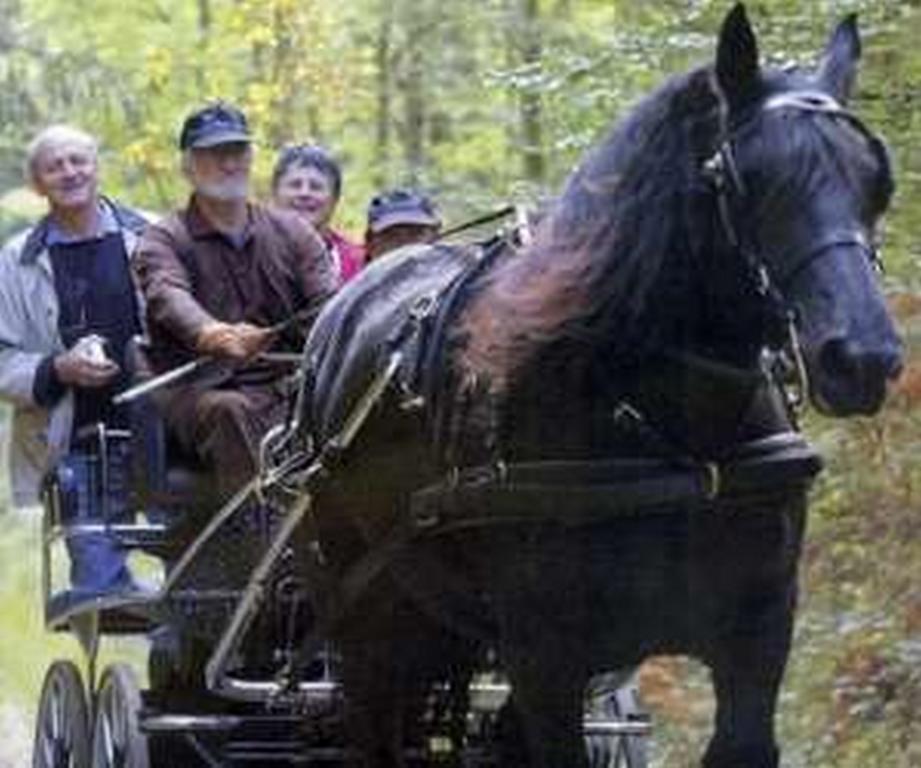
28	333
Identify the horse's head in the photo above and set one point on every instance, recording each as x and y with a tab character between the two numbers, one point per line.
805	183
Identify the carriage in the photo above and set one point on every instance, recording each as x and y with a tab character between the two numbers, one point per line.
534	465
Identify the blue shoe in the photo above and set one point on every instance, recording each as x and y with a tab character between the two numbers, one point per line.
97	564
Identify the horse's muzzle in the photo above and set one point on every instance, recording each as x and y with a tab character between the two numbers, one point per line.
849	379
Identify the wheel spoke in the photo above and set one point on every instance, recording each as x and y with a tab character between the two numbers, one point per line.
117	739
55	711
61	737
119	724
65	711
108	742
47	751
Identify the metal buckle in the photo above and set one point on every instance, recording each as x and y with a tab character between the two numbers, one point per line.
712	489
422	307
798	394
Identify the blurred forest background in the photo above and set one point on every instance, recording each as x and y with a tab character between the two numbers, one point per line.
481	102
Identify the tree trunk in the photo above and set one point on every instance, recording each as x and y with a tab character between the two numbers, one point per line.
281	126
204	35
383	61
414	110
527	44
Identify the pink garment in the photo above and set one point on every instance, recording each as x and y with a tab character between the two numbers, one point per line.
348	256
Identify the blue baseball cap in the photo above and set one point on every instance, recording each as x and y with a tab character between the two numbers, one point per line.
401	206
212	125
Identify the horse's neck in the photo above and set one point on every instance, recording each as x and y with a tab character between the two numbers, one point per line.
705	408
672	404
562	403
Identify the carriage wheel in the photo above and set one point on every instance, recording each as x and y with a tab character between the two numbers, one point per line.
117	738
619	704
62	738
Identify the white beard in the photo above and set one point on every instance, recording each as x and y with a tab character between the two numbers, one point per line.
226	191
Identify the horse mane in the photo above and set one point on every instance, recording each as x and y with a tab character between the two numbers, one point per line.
600	247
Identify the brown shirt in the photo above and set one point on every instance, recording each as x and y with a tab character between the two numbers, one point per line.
191	274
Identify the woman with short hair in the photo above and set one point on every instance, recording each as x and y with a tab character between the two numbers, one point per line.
308	180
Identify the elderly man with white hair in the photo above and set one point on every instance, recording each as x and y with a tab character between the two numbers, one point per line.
218	275
68	306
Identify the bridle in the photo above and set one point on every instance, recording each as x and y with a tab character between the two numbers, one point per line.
721	169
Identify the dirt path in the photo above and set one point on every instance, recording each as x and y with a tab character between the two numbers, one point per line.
15	737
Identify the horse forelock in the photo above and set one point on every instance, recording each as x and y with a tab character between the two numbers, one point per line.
588	273
816	155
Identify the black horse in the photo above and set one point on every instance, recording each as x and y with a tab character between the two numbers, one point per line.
732	206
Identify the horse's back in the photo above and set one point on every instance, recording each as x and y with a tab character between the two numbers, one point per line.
354	333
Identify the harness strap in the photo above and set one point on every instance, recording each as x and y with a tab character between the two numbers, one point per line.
847	239
574	493
435	372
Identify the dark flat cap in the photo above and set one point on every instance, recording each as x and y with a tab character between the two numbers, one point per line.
212	125
401	206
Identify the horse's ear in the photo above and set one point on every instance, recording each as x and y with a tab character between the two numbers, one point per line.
838	69
736	57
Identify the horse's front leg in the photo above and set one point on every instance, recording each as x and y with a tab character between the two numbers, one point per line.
748	661
544	653
548	695
374	708
746	680
378	667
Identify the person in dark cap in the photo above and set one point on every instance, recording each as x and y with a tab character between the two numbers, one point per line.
397	218
308	180
217	275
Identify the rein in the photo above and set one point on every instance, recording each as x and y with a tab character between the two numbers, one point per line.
487	218
732	196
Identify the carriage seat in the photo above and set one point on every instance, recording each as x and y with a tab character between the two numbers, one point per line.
164	476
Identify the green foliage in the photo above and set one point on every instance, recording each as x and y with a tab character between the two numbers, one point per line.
854	686
414	92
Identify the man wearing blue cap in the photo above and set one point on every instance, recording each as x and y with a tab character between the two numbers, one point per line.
399	217
217	276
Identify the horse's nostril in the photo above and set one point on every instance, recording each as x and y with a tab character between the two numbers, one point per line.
842	363
893	365
838	359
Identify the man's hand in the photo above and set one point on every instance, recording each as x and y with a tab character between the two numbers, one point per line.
217	340
74	369
255	340
235	341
